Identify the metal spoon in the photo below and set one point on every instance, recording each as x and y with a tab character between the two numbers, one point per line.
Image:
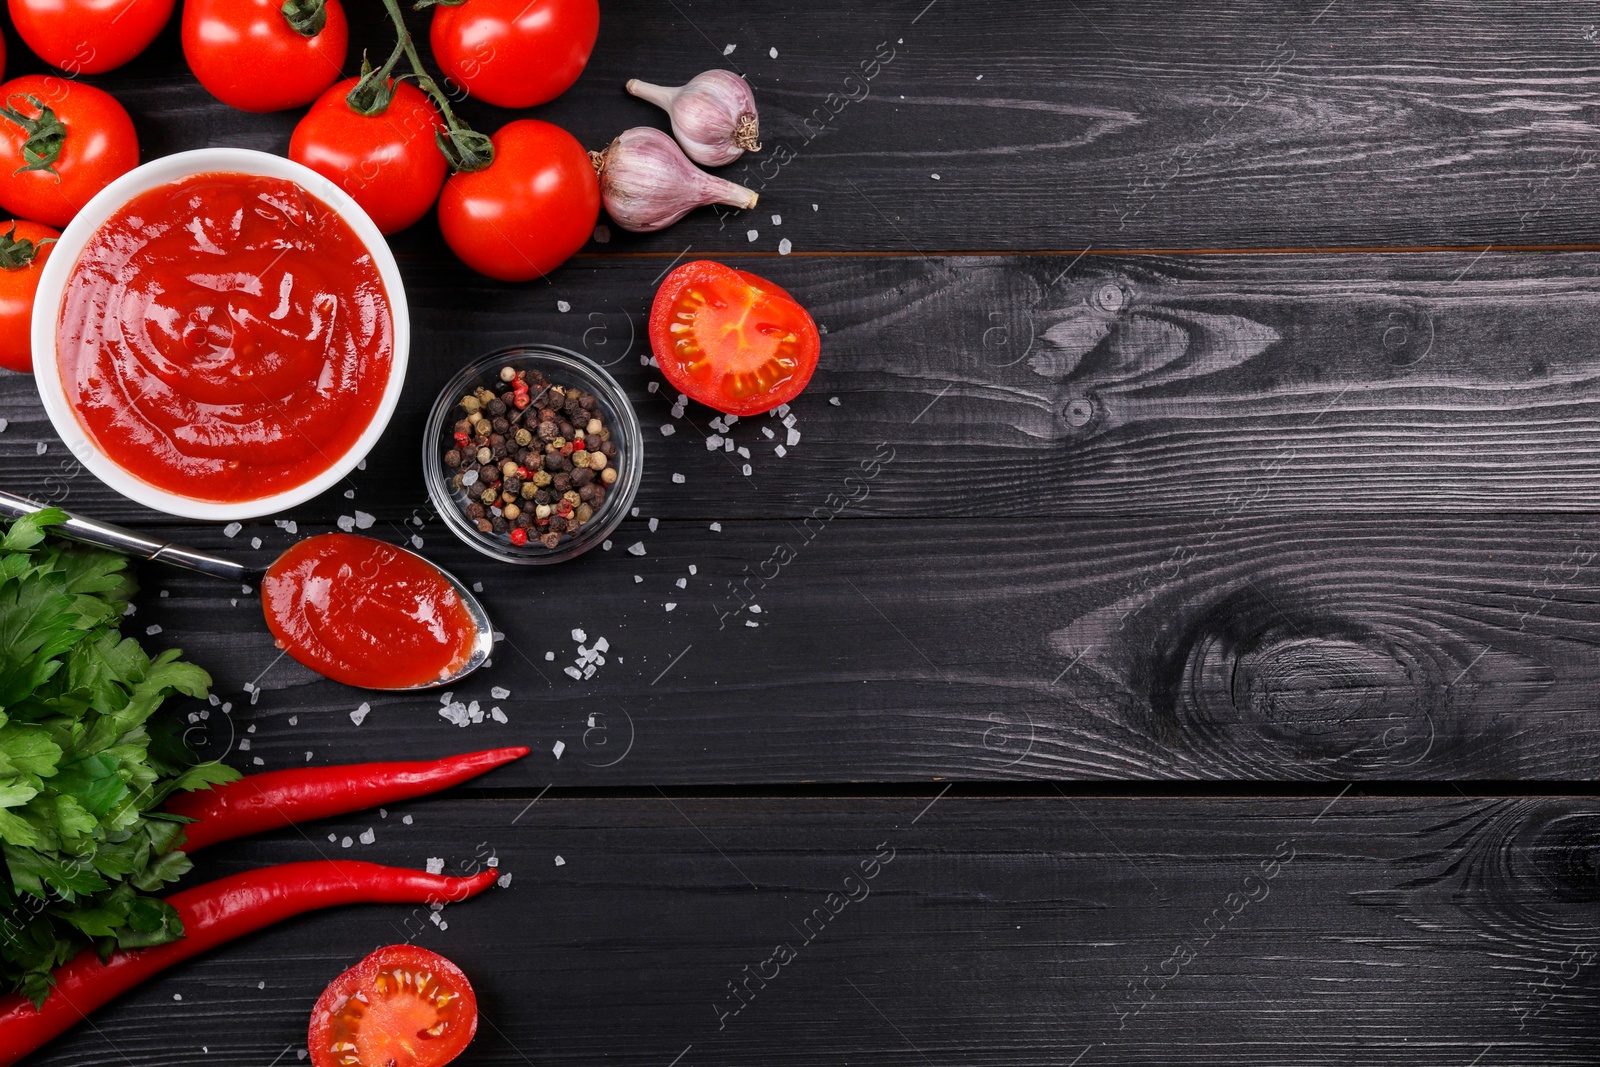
117	539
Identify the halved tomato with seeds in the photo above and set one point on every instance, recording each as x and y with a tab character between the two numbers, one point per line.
731	340
402	1006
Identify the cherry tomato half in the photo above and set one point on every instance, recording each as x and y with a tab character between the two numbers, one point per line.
524	214
21	259
97	145
388	162
402	1006
514	53
731	340
247	54
88	36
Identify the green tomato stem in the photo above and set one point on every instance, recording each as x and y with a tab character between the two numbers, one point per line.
465	148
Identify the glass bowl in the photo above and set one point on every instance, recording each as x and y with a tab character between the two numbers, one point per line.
562	368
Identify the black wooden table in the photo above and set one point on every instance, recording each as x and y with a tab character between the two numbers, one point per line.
1232	375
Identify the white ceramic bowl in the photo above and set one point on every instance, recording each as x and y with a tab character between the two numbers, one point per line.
52	288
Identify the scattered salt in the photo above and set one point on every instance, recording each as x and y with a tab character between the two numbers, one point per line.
346	842
728	50
777	220
435	865
504	881
360	713
693	569
773	52
677	479
794	438
255	542
683	583
667	429
713	443
745	470
579	636
636	549
151	631
834	401
560	862
653	524
563	307
364	521
558	748
549	656
499	692
716	527
671	606
231	530
785	246
751	235
781	451
406	819
348	522
368	836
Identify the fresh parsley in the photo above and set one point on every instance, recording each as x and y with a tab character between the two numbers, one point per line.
81	777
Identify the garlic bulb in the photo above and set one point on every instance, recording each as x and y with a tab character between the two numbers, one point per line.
713	115
647	183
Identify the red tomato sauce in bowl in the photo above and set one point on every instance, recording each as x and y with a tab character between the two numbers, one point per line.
366	613
225	337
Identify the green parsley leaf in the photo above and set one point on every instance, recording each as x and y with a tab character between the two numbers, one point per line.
81	776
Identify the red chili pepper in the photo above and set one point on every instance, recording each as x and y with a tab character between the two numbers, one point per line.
275	799
214	914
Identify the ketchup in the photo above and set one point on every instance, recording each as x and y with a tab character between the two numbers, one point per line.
225	337
365	613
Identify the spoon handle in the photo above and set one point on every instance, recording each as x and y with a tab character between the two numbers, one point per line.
129	543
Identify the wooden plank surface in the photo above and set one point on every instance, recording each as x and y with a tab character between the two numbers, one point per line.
1325	930
1036	386
1036	125
893	651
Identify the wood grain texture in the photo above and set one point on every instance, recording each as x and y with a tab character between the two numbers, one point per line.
1320	931
1031	125
867	650
1036	386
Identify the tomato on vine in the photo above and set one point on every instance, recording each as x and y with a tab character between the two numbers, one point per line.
88	36
514	53
61	141
524	214
385	156
265	55
24	246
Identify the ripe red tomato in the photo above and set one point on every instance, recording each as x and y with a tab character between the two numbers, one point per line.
79	139
21	260
731	340
247	54
388	162
88	36
402	1006
514	53
523	215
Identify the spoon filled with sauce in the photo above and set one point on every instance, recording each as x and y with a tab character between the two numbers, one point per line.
354	609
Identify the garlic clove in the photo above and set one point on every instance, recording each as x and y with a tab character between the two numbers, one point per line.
713	115
647	183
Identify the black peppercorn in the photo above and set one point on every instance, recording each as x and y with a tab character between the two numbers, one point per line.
542	497
513	484
553	461
586	494
562	482
452	459
608	449
496	408
599	495
474	511
582	477
500	425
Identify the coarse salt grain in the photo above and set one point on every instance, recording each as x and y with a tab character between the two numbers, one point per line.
347	523
499	692
677	479
653	524
435	864
364	521
232	529
558	748
785	246
716	527
368	836
636	549
667	429
671	606
360	714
